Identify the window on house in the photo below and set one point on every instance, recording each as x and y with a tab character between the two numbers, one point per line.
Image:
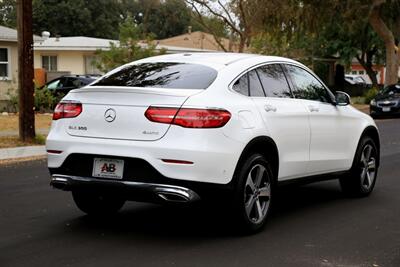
90	65
4	63
361	72
354	72
49	63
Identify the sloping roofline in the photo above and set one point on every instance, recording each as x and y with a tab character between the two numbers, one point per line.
11	35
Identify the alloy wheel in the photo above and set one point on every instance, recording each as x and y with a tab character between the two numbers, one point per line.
368	167
257	193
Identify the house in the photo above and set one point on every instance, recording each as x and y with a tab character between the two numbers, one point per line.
198	40
9	62
68	55
357	69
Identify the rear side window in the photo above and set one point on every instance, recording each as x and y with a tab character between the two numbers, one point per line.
255	85
274	81
161	75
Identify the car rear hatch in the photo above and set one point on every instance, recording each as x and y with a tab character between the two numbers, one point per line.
119	112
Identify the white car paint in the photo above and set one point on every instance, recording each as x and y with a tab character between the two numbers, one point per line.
312	137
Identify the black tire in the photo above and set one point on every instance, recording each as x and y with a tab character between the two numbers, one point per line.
97	204
244	196
361	179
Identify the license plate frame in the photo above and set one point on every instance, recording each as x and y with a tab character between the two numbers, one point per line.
108	168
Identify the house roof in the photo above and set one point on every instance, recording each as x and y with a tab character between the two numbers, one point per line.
175	49
10	35
82	43
197	40
79	43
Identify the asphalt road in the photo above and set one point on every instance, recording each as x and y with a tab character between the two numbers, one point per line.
313	225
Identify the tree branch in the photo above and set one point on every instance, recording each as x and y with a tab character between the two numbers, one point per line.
378	24
224	18
202	22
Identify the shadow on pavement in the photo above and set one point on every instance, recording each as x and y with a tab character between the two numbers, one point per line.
204	221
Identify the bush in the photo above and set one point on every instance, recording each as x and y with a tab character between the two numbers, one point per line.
45	101
370	94
13	98
358	100
40	139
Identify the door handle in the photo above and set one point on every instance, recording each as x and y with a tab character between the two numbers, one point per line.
269	108
313	108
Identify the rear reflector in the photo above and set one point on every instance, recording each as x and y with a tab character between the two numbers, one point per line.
176	161
67	110
189	117
54	151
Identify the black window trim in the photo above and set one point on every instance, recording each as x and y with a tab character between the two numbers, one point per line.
230	86
289	77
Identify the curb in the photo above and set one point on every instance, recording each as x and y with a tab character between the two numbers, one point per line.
22	152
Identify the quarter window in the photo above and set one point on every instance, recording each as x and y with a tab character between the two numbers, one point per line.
307	86
4	63
274	81
242	85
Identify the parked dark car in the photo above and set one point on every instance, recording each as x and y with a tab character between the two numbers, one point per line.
387	102
64	84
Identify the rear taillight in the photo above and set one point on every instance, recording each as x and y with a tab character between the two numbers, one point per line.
189	117
67	110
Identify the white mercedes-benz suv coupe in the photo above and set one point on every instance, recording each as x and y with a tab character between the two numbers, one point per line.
184	127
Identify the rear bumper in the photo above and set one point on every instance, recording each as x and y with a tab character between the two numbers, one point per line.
214	156
130	190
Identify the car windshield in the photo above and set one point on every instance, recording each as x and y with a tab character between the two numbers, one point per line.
391	89
161	75
53	85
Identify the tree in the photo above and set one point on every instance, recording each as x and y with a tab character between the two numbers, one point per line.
341	29
387	35
158	18
350	36
8	13
162	19
240	17
128	48
82	17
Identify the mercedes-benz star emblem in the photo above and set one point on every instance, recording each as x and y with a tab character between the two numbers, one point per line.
110	115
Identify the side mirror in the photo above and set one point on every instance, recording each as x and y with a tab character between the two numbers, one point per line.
342	99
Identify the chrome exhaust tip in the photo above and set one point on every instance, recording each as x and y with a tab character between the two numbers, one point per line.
59	183
177	195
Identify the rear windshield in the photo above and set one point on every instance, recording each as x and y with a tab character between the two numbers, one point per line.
161	75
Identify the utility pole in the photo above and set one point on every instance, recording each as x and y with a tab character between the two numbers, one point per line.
25	70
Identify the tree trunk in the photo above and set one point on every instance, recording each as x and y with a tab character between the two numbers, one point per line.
392	65
241	45
379	26
372	75
367	65
25	71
